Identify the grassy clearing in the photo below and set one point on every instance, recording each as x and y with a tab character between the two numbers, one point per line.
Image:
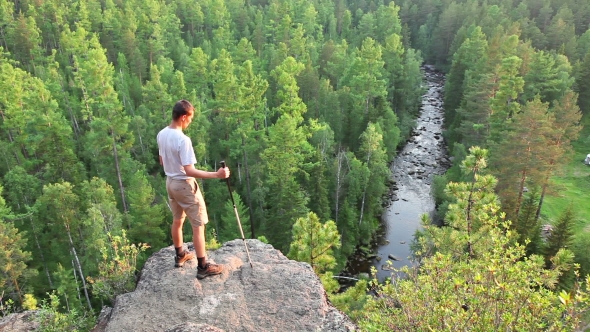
573	186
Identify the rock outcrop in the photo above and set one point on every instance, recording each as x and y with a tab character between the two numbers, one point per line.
19	322
276	294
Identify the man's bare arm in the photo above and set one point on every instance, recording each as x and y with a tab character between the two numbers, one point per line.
191	171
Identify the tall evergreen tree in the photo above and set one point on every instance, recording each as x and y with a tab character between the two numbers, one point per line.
317	184
504	104
24	40
471	52
449	22
146	216
283	158
100	217
518	158
374	156
67	287
250	131
364	77
356	181
563	131
58	209
107	140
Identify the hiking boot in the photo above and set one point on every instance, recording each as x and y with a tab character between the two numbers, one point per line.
209	270
179	261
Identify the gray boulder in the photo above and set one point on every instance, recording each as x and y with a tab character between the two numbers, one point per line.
277	294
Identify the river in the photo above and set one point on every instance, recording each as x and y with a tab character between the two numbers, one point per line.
423	156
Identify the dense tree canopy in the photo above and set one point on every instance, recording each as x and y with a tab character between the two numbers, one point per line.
283	90
307	102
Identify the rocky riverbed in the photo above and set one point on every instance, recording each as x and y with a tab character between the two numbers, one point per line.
423	156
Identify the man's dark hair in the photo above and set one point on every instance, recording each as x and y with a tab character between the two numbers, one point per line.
182	107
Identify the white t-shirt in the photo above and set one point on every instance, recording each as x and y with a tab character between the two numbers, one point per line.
176	150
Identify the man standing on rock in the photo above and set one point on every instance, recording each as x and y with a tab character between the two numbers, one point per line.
177	156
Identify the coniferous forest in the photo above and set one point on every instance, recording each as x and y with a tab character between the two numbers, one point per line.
307	102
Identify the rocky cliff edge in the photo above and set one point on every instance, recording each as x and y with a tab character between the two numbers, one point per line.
276	294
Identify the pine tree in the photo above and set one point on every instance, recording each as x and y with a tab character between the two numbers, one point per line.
504	104
561	32
548	76
283	158
364	77
470	124
565	129
229	229
250	128
101	217
349	221
474	209
527	226
562	234
146	217
107	140
583	45
24	42
192	17
67	288
387	22
449	22
314	242
317	184
518	160
471	52
374	157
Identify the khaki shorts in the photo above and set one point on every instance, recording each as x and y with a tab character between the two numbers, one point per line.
186	199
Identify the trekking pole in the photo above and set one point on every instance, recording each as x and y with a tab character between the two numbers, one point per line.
237	216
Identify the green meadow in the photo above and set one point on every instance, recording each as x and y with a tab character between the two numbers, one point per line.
572	187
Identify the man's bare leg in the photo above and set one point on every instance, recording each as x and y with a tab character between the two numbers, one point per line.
176	230
181	254
204	269
199	242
